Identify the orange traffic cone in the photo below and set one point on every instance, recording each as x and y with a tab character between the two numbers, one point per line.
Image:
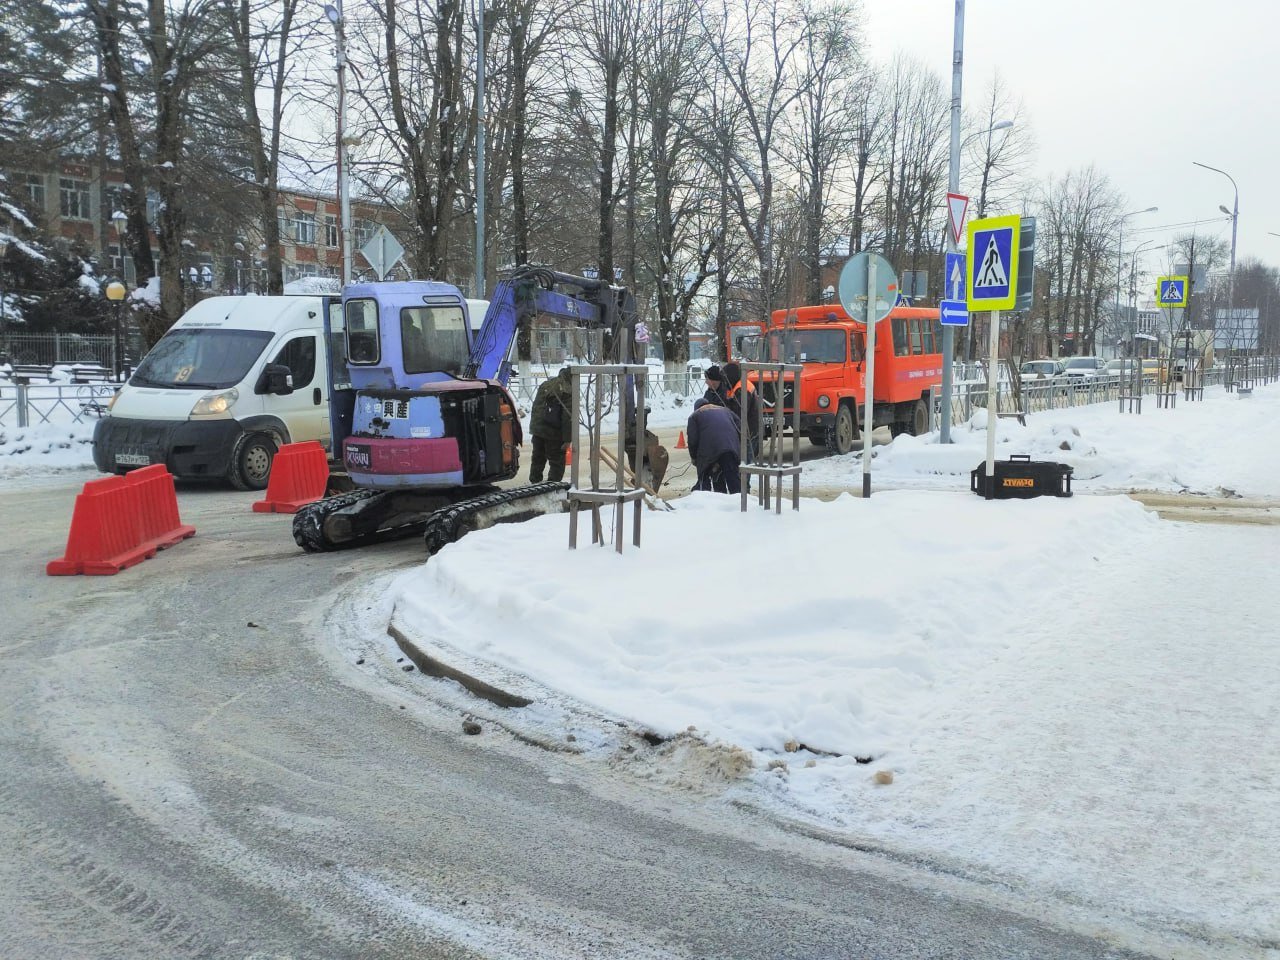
568	456
680	444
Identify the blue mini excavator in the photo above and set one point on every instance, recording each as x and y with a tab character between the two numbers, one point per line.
423	424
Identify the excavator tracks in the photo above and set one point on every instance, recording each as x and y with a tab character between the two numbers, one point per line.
450	524
363	517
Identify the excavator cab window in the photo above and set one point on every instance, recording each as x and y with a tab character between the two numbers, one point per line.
363	346
433	339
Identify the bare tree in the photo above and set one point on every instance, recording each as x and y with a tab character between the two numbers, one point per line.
756	44
412	77
609	32
998	160
824	125
682	184
1078	218
154	55
262	33
915	177
867	133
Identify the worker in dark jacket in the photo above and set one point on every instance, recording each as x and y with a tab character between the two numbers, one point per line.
715	385
551	425
735	388
713	447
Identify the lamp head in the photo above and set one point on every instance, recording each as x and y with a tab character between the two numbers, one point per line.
1223	208
331	12
1003	125
115	291
119	221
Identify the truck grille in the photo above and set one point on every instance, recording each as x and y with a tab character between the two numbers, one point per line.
395	409
769	393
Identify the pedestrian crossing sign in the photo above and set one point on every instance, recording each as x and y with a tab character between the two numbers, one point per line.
993	263
1172	291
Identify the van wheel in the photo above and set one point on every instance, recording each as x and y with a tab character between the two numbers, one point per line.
251	460
840	437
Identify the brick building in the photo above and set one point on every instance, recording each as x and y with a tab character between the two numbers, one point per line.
75	202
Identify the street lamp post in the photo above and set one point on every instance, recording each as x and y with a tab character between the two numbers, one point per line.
121	223
1234	214
1133	296
953	184
1119	252
115	293
334	12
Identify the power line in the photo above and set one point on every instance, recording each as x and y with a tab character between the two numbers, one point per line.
1174	226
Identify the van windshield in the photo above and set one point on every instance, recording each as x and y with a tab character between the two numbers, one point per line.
197	358
806	346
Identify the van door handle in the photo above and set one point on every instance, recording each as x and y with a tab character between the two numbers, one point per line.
315	396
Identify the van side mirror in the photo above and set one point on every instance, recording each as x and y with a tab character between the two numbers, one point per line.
275	378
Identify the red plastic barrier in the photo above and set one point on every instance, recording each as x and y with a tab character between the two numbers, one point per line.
299	475
158	522
120	521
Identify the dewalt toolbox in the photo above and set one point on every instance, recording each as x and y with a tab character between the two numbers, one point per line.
1022	477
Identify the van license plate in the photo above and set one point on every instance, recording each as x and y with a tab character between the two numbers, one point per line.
133	460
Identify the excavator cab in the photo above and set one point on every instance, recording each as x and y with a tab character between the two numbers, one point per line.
417	421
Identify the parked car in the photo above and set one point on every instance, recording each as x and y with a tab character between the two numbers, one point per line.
1122	367
1083	368
1036	371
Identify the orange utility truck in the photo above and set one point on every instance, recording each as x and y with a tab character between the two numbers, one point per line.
832	349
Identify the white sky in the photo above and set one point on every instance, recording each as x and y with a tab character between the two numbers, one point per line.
1138	87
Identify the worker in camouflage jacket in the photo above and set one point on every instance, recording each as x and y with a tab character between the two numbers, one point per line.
551	425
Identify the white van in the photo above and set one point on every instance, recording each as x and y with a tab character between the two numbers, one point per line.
232	380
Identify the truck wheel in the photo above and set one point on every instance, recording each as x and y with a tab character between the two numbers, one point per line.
840	437
919	424
251	460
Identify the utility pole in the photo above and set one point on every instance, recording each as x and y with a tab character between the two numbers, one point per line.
953	185
1234	213
334	12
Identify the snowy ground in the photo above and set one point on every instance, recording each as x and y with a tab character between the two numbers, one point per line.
1075	698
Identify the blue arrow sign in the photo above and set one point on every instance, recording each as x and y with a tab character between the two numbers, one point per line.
953	276
953	313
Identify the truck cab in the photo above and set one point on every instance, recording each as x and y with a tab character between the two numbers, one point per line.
832	348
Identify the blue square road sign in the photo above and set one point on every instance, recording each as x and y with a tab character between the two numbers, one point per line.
993	263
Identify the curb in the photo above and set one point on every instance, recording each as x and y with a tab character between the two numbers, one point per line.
433	666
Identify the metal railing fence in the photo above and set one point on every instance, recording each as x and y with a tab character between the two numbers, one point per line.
31	405
969	395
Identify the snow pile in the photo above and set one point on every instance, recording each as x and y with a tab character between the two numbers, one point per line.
313	286
1209	446
58	447
717	648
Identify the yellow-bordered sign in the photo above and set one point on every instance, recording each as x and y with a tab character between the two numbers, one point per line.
1172	291
993	262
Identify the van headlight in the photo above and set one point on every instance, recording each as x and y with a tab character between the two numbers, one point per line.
824	401
215	405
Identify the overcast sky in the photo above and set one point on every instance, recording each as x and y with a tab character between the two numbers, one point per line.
1138	87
